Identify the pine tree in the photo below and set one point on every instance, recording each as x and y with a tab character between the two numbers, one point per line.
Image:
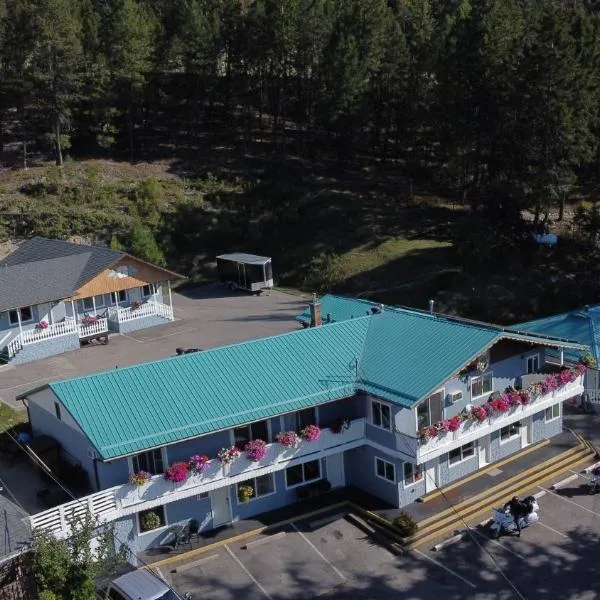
144	246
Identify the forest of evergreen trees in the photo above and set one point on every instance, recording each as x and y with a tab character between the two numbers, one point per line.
463	93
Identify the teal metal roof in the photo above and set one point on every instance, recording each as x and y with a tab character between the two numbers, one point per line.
130	409
582	325
340	308
400	355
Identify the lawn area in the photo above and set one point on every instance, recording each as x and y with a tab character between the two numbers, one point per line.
10	417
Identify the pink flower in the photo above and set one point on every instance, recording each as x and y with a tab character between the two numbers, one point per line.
454	424
177	472
479	413
256	450
288	438
442	426
311	433
227	455
198	463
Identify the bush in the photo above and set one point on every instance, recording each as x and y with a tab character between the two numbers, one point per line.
47	595
405	525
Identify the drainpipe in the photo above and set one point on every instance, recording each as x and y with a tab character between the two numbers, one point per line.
96	477
170	299
431	304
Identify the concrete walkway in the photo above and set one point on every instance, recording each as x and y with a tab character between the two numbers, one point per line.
206	317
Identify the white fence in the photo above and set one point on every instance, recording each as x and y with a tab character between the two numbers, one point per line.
96	328
147	309
126	499
33	336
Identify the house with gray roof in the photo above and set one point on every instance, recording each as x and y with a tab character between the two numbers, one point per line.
397	402
56	294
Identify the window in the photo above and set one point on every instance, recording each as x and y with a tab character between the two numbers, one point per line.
146	291
553	412
254	431
412	473
382	416
57	410
151	519
120	296
305	417
261	486
25	313
299	474
88	304
430	411
482	384
510	432
385	470
533	364
151	461
99	300
460	454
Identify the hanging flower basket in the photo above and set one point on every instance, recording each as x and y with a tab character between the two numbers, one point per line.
255	450
198	463
245	492
311	433
178	472
226	456
42	325
140	478
290	439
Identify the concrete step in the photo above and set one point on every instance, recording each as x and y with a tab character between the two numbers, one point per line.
481	504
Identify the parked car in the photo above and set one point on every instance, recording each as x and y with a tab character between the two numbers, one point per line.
141	585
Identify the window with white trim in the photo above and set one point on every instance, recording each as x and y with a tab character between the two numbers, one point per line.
253	431
120	296
150	461
300	474
431	410
552	412
146	291
533	364
385	470
25	313
99	300
261	486
88	303
459	454
510	432
482	384
381	415
150	524
412	473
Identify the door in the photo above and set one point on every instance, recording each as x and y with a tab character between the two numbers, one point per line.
430	478
335	469
219	500
526	432
484	451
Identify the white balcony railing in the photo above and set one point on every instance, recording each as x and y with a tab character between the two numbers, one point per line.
147	309
471	430
98	327
36	335
126	499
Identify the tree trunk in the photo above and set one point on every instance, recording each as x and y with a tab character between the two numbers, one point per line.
561	207
57	144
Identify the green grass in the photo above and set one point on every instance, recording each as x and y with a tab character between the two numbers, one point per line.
10	417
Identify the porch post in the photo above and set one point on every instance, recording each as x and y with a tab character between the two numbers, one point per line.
562	357
73	309
51	316
94	304
19	320
170	299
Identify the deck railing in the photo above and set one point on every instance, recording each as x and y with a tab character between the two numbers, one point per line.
122	500
98	327
34	336
147	309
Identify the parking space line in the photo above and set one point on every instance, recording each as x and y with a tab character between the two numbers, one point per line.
570	501
497	543
239	562
439	564
337	571
552	529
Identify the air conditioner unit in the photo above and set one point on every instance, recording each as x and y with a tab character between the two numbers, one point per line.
455	396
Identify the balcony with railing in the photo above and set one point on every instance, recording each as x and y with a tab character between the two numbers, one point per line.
41	333
476	424
122	500
152	308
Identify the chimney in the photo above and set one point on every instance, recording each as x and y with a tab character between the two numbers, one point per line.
316	318
431	303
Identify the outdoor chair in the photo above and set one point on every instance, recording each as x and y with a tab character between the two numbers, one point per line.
194	530
183	537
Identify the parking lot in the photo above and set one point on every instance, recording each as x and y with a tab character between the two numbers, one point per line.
334	557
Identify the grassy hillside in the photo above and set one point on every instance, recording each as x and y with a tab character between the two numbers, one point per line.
362	232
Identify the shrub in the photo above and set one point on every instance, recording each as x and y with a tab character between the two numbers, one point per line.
150	520
405	525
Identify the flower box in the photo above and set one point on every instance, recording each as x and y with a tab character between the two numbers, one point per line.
256	450
198	463
140	478
289	439
227	455
311	433
178	472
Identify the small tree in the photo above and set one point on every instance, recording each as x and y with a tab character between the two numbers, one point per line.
144	246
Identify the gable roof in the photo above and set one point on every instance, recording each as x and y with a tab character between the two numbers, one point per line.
400	355
582	325
340	308
42	270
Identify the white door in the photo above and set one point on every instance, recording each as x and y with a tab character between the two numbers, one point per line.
430	478
525	435
484	451
219	500
335	469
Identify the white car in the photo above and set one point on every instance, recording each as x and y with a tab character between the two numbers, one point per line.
141	585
